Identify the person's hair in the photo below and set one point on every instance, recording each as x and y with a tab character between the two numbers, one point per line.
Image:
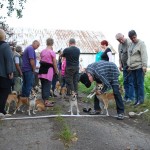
132	33
72	41
18	49
104	42
49	42
2	35
119	35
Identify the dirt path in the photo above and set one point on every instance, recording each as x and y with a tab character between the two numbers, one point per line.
105	133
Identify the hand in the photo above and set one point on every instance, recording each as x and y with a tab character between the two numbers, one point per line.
144	69
120	68
10	76
99	92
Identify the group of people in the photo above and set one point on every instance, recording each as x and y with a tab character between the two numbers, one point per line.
23	65
133	60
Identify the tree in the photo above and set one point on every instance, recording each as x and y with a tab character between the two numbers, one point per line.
13	6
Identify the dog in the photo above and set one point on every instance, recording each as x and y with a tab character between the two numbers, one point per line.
105	98
63	92
73	103
12	97
30	102
99	87
40	105
57	89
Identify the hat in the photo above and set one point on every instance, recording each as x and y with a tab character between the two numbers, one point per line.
85	80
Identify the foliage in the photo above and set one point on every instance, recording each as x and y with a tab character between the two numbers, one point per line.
5	27
147	85
14	6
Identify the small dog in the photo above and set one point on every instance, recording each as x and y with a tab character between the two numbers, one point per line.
105	98
73	102
63	92
57	89
40	105
12	97
98	86
30	102
21	101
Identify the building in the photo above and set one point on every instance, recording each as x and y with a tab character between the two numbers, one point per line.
85	40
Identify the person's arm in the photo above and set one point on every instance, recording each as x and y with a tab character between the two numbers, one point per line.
32	64
19	69
109	54
55	65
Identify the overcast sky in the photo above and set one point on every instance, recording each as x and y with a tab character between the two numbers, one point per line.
107	16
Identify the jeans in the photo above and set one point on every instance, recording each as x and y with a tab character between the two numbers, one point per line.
72	78
128	84
118	99
28	80
46	85
138	78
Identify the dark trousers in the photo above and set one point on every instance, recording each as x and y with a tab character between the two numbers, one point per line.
5	89
72	77
128	84
46	85
138	76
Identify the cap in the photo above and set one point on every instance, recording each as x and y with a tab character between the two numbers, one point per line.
85	80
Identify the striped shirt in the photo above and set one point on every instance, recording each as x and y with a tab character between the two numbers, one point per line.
104	72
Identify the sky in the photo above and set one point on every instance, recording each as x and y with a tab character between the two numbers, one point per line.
107	16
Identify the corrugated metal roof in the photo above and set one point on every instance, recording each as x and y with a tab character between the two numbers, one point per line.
85	40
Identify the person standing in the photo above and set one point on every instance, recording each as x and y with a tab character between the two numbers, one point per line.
72	54
137	63
127	75
106	73
99	53
107	54
28	67
17	56
6	72
48	68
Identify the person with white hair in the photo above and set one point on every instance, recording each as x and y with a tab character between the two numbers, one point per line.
127	75
6	72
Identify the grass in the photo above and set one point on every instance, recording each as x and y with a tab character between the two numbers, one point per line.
64	131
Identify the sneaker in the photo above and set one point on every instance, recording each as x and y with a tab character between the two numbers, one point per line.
1	115
128	101
120	117
7	115
95	113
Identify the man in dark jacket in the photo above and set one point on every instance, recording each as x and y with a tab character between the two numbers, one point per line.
107	73
72	54
6	72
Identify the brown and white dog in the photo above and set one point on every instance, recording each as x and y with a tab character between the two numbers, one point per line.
57	89
105	98
40	105
93	92
12	97
63	92
30	102
73	103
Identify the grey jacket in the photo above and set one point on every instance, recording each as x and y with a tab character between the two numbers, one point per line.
137	56
123	52
6	60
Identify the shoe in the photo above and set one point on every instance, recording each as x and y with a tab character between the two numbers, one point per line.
95	113
2	115
87	110
137	104
49	104
120	117
7	115
128	101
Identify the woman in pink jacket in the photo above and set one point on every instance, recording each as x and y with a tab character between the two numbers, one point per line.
63	68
